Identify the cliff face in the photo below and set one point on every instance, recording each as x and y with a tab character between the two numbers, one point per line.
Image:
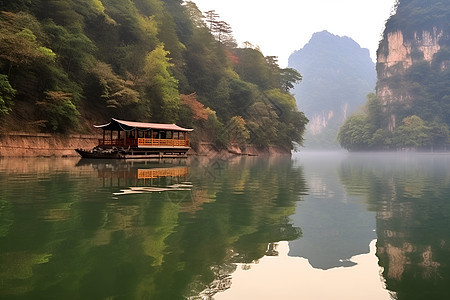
397	53
416	38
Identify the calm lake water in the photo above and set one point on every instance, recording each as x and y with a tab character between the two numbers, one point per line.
322	226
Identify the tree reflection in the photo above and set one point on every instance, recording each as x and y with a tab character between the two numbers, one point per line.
65	234
410	196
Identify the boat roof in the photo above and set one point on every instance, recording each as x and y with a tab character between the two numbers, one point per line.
131	125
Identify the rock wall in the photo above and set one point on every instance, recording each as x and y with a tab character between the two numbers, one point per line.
396	54
19	144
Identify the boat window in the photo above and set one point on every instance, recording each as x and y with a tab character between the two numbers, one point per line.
181	136
169	134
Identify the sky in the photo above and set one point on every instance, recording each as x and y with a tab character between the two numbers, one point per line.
282	26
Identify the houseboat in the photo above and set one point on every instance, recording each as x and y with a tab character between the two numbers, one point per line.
128	139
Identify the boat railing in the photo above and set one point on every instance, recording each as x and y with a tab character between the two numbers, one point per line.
146	142
143	142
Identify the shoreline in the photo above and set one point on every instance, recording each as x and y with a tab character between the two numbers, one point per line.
23	144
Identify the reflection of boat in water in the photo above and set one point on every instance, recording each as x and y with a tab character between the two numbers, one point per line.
127	139
184	186
162	172
140	176
147	181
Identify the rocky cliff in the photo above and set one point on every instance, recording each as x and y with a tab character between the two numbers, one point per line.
416	37
397	53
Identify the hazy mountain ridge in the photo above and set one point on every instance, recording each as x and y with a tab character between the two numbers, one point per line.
337	76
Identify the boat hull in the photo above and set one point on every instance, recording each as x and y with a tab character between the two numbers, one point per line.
138	153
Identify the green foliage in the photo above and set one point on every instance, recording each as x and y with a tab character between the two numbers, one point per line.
237	132
116	92
75	50
354	134
19	45
212	130
289	77
162	87
59	111
6	95
96	59
363	132
253	67
412	133
418	15
263	124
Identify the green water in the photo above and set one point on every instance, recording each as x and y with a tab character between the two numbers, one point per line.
209	228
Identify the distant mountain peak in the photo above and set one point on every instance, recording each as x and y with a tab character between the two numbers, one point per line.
337	76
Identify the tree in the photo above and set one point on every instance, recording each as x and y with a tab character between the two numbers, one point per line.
195	14
354	134
237	132
18	44
59	111
162	87
7	94
116	92
374	111
288	78
439	135
75	50
413	133
253	67
211	19
223	33
198	111
263	125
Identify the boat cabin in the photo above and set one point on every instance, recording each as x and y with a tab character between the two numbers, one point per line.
128	139
118	133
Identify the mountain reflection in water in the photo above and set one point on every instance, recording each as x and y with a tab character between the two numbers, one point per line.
335	224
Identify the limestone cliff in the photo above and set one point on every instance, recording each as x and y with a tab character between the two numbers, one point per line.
414	37
397	53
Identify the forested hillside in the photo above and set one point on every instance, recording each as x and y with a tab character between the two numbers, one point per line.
66	64
411	108
348	73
